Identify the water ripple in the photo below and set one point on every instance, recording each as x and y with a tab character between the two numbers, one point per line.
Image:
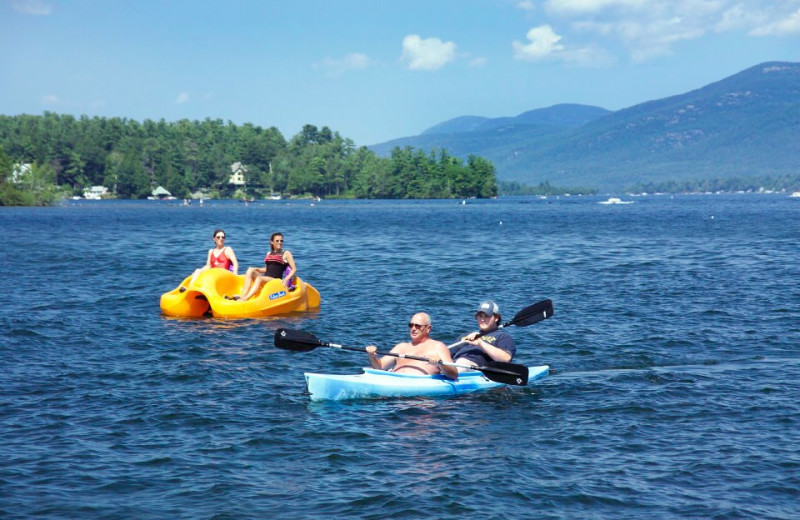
673	348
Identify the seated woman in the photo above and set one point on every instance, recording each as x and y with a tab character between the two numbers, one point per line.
220	256
278	263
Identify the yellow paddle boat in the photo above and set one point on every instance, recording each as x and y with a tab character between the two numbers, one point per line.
210	288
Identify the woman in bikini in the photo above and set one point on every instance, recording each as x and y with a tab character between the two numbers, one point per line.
278	263
220	256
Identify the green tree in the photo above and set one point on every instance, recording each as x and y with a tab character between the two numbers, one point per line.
132	180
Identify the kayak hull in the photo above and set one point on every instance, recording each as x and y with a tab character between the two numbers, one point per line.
374	384
207	296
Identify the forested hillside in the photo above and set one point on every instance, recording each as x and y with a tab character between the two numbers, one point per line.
741	128
187	157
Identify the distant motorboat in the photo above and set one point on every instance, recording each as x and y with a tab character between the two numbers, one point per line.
795	195
615	200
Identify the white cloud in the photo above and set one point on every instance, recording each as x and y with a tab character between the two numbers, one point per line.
648	28
732	19
594	6
337	67
591	56
789	24
427	54
478	62
656	38
50	99
543	42
32	7
526	5
182	98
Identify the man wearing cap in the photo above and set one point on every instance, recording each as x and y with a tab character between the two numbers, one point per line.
493	345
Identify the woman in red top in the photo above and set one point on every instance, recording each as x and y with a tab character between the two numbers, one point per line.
220	256
278	263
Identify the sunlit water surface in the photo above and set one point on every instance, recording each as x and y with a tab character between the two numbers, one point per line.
675	346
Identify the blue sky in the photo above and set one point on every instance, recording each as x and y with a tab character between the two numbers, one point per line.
373	70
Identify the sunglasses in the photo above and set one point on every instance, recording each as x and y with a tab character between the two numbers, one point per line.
221	237
417	325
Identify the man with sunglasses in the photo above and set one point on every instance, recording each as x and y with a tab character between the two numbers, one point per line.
494	345
421	345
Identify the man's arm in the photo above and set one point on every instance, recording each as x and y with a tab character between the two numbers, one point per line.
496	353
445	357
384	363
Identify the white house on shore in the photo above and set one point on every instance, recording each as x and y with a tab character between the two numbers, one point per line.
19	171
238	170
95	192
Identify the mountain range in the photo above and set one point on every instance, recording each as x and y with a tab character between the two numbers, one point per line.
746	125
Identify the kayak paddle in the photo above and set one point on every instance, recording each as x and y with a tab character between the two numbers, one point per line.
527	316
302	341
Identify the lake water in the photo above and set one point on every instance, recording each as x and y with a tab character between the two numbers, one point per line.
675	346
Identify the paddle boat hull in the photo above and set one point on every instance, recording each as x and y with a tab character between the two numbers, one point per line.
373	384
207	295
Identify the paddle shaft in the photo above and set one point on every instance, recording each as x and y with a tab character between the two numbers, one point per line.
416	358
480	335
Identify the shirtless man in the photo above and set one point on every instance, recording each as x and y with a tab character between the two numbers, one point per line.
422	346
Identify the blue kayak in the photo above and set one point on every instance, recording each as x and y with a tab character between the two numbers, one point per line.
374	384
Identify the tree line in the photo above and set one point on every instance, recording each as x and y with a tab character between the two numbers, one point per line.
68	154
729	185
543	188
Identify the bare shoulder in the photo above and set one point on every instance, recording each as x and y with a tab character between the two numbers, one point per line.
437	344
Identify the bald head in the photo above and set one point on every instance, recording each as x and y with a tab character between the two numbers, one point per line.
421	318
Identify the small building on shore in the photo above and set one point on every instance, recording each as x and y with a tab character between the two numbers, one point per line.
95	192
19	171
238	171
161	193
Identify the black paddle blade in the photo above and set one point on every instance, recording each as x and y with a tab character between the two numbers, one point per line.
297	340
533	314
508	373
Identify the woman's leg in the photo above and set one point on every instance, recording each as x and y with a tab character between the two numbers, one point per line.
248	280
257	283
196	273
